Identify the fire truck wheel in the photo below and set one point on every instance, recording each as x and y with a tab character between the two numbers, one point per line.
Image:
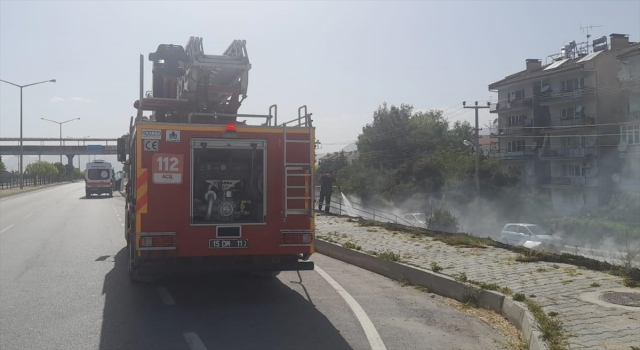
86	194
110	193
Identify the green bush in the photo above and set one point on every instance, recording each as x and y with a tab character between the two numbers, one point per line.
443	220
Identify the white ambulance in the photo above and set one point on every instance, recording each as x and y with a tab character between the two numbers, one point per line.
98	178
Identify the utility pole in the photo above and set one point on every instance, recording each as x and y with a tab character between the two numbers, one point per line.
477	142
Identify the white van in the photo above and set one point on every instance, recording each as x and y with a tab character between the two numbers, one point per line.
98	178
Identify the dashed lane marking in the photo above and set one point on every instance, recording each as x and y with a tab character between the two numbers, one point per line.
193	340
167	299
6	229
27	216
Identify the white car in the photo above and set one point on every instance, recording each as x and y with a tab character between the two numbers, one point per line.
530	236
416	219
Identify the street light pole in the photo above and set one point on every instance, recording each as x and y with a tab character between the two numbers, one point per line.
60	124
21	151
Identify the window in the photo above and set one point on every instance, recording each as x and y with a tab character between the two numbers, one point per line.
572	84
515	146
516	95
571	112
574	141
630	134
515	120
573	170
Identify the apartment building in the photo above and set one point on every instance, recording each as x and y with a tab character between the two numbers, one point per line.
559	124
627	179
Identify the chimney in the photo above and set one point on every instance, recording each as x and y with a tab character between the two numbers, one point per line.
533	64
619	41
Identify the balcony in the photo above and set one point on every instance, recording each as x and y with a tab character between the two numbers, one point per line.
517	155
578	121
567	95
631	151
511	106
548	153
570	181
515	129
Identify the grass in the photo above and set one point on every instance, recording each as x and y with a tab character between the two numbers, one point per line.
389	255
351	245
594	285
404	282
541	269
519	297
422	289
461	277
628	282
435	267
572	272
567	282
555	266
371	252
552	330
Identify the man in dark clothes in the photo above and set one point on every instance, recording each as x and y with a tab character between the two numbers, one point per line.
326	188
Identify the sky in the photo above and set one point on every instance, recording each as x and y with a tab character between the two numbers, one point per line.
341	59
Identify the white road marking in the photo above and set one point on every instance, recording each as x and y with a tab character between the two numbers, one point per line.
122	224
166	297
27	216
369	329
193	340
39	208
6	228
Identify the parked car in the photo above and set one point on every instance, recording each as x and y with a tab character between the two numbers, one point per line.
416	219
530	236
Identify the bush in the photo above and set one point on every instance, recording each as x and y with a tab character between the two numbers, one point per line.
443	220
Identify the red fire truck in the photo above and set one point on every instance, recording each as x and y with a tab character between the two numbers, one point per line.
210	189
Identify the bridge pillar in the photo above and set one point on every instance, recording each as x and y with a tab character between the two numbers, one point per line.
70	165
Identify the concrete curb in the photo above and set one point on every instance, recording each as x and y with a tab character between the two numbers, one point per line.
516	312
34	189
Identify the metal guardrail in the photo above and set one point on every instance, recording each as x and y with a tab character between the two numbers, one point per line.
337	206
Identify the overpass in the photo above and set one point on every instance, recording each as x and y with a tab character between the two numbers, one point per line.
33	146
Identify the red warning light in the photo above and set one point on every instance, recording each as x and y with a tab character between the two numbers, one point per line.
231	127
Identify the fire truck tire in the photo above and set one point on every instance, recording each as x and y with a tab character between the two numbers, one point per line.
86	194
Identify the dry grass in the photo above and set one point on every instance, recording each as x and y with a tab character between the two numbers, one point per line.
494	320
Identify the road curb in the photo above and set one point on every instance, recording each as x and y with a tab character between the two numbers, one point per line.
516	312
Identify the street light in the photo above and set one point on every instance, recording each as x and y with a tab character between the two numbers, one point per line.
60	124
86	137
21	87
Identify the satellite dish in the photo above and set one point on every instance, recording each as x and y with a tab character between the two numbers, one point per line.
593	171
495	121
615	177
591	141
534	145
545	88
622	146
578	109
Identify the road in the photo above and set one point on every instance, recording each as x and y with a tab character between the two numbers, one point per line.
64	285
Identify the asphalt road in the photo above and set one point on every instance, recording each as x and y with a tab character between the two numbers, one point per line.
64	285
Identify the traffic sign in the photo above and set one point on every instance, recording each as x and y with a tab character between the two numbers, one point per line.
94	148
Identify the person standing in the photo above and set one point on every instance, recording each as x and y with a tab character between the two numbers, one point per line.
327	180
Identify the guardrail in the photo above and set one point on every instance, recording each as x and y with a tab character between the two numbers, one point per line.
339	207
7	182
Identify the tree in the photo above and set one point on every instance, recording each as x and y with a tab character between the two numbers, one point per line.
42	169
61	168
3	168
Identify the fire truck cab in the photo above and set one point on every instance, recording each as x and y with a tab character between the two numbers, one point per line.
206	191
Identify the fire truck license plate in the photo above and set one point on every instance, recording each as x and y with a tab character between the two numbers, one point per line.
228	243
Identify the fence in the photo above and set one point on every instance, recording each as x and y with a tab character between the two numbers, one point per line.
340	207
13	181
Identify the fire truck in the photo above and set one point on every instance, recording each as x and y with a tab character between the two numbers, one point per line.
211	189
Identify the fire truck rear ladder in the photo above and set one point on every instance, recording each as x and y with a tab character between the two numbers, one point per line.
293	169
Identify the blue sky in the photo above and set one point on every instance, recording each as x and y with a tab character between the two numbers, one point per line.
341	59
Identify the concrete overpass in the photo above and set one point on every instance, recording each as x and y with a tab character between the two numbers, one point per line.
52	147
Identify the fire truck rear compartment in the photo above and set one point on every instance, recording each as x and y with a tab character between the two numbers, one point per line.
228	181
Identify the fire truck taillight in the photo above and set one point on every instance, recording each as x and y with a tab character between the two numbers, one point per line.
157	241
231	127
295	237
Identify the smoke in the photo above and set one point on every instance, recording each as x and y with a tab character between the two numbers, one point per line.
486	218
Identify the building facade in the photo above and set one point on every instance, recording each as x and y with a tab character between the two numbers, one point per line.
559	124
